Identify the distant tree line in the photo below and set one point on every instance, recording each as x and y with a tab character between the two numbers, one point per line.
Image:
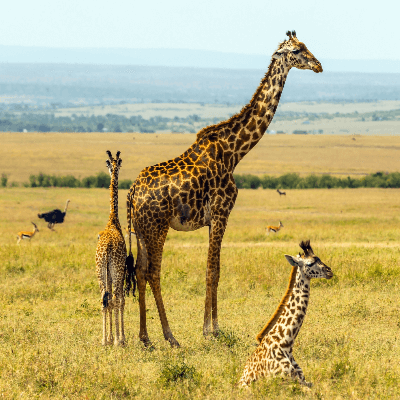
295	181
101	180
46	122
49	122
287	181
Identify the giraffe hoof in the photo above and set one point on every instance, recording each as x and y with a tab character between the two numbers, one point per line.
146	342
207	332
173	342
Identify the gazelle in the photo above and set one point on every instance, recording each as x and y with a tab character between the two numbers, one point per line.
281	193
271	228
27	235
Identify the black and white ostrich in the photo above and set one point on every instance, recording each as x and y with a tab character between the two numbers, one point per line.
54	217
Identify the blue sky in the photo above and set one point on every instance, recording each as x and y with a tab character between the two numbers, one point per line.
332	30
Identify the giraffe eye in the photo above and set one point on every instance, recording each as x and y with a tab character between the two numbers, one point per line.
296	51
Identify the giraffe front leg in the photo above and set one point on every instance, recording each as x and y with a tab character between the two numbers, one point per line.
216	235
287	368
298	373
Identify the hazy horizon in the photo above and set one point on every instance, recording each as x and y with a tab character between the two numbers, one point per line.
339	30
185	58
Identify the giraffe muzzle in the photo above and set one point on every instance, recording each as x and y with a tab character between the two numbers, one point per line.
316	67
328	273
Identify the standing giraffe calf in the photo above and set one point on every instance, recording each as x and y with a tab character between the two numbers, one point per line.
112	263
273	356
27	235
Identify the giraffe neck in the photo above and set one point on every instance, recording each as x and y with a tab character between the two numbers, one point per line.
239	134
295	310
114	195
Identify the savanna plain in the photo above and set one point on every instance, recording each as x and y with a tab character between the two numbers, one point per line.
50	305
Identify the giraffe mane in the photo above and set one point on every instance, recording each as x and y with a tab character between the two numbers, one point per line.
278	312
212	128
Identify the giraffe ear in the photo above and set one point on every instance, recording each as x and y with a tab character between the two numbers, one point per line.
292	261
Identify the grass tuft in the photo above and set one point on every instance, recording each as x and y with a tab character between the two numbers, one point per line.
178	371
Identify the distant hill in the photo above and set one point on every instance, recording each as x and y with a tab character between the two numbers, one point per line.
59	85
175	58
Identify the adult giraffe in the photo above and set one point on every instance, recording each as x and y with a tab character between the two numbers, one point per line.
197	189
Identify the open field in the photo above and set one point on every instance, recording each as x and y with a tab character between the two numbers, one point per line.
354	124
170	110
50	319
82	154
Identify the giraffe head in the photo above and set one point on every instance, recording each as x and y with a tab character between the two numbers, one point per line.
309	264
294	53
113	164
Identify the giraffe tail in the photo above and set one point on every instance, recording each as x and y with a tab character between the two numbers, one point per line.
130	271
106	296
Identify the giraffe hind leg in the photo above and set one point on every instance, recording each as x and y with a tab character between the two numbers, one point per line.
106	302
155	249
118	310
141	268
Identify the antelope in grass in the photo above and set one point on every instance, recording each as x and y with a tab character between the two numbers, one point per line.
271	228
27	235
281	193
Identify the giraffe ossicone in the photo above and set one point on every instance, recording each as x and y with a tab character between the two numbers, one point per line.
274	354
197	189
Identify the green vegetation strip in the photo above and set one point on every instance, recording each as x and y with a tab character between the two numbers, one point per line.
295	181
286	181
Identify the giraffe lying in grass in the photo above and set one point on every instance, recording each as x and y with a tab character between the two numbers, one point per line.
273	356
112	265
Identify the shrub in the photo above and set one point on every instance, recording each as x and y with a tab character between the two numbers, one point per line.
125	184
228	338
4	180
174	372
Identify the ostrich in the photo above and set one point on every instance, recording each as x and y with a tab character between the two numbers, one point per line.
54	217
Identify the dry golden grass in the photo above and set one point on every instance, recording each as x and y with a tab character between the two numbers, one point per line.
50	318
82	154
